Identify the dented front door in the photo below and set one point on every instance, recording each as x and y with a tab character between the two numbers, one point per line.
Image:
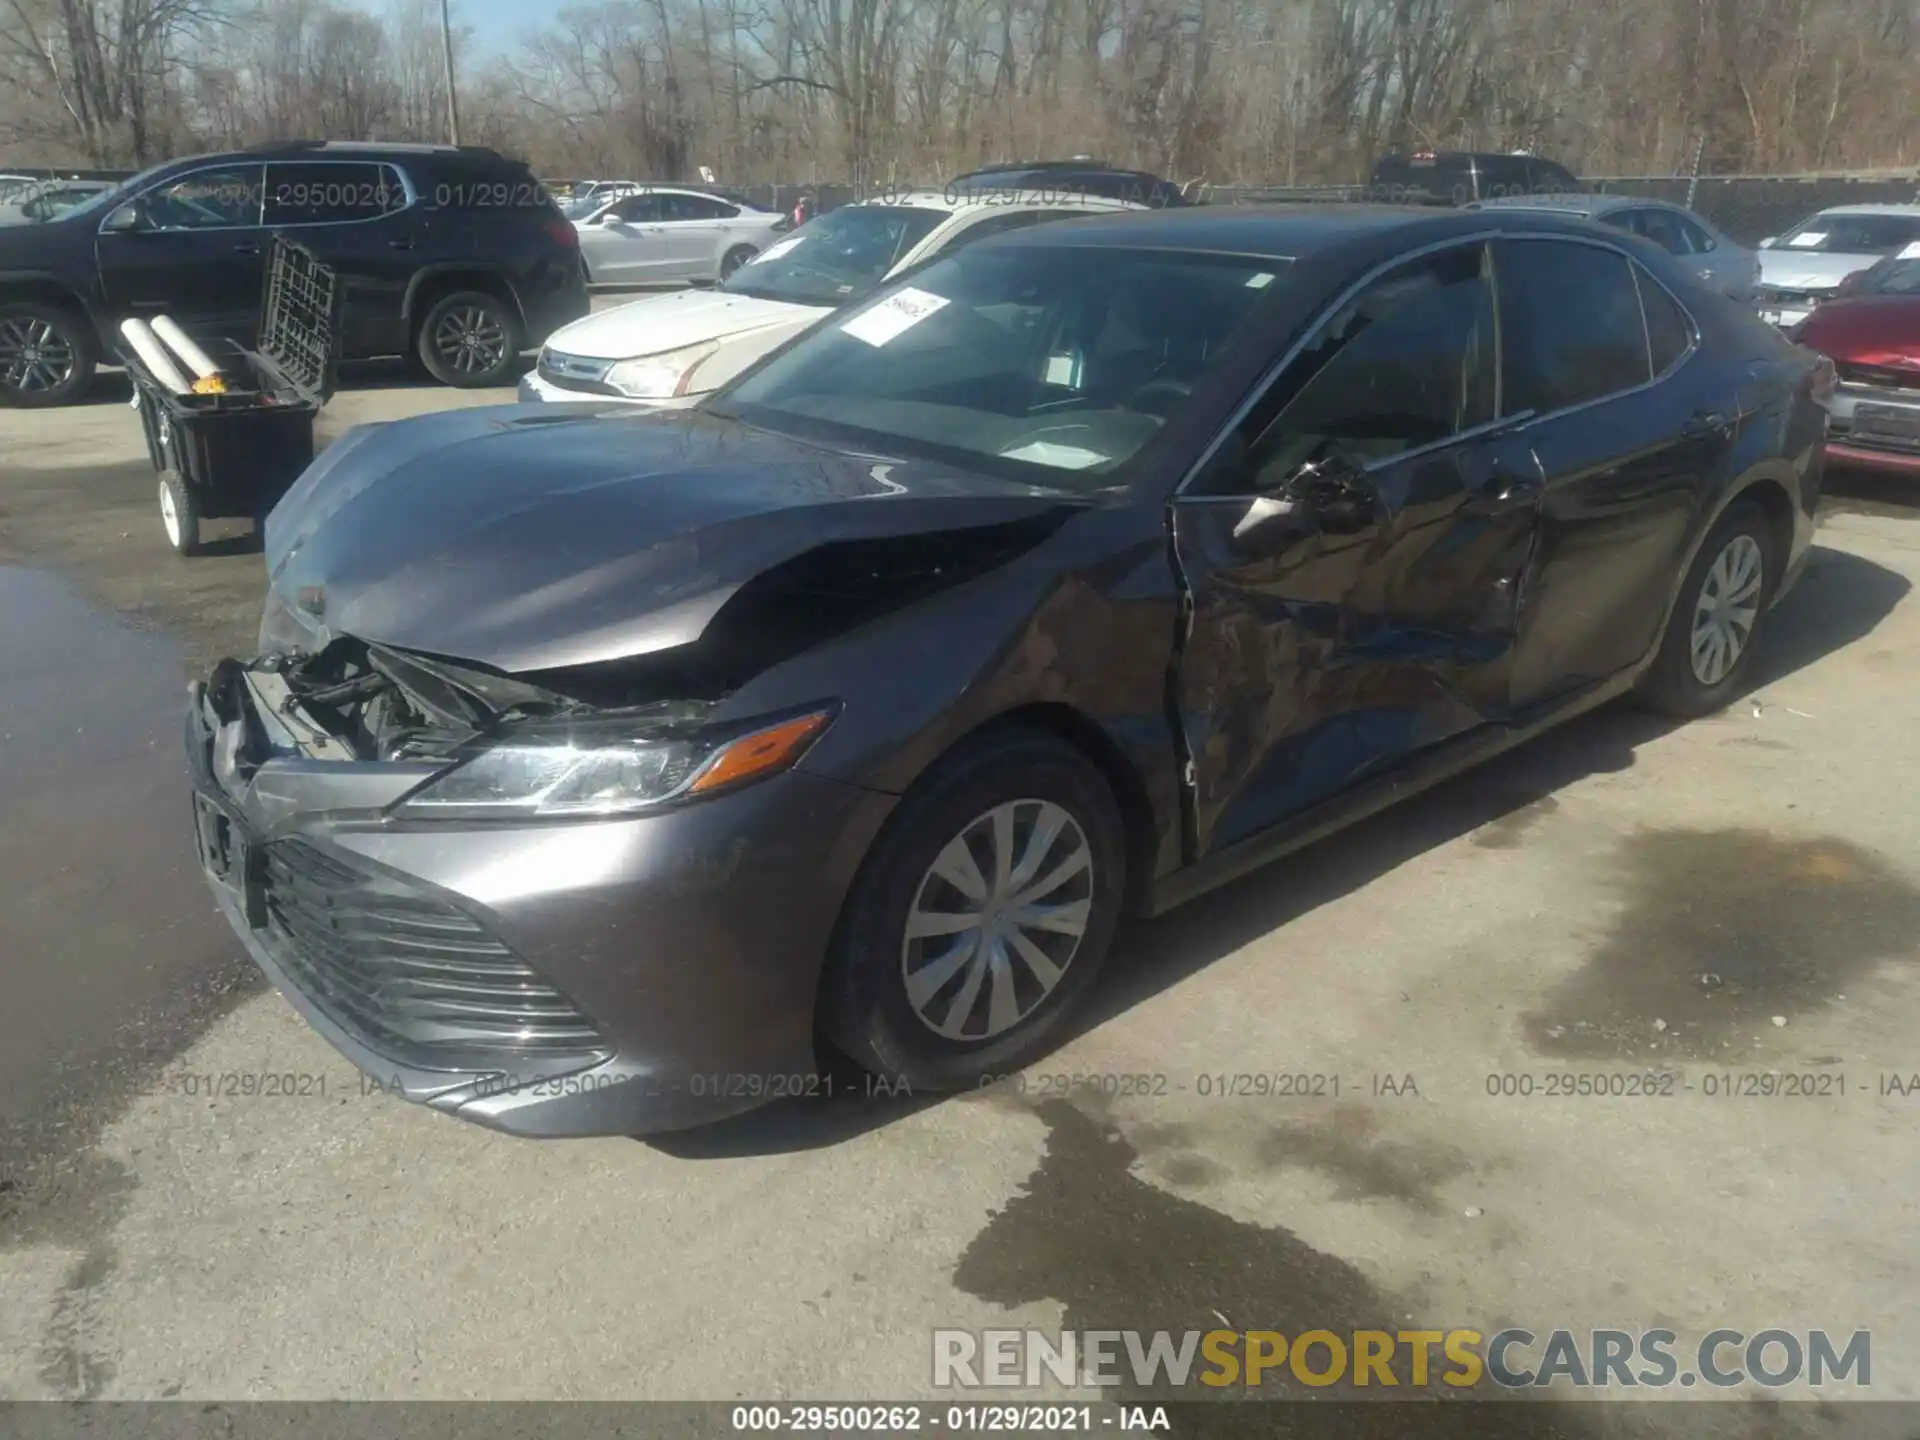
1351	560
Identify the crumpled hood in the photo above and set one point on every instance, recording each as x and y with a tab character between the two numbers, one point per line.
1790	269
535	537
660	323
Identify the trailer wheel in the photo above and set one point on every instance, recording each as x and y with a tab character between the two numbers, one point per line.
179	515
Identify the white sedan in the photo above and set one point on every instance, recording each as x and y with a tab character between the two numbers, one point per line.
670	350
661	235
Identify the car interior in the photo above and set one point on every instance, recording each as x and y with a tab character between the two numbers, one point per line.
1076	376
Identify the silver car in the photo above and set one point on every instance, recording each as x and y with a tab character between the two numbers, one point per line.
1722	263
1805	266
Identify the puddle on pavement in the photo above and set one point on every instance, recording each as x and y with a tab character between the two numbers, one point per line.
1510	829
1719	932
115	958
1346	1146
1118	1253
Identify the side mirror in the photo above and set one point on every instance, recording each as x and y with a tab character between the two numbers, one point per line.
1335	490
124	219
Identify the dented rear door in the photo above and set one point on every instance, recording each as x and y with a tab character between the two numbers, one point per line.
1336	627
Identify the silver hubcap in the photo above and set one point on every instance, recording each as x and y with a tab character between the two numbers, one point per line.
1729	603
470	340
997	919
169	517
34	356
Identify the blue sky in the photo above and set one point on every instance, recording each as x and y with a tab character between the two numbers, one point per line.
498	24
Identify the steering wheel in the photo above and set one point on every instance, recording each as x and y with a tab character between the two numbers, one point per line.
1164	389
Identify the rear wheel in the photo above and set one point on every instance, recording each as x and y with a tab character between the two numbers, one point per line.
1710	638
47	355
982	918
470	340
179	515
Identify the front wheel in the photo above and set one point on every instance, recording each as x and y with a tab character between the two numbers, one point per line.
470	340
982	917
1710	637
734	259
47	356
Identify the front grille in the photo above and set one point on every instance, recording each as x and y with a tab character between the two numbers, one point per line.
569	372
1881	377
414	978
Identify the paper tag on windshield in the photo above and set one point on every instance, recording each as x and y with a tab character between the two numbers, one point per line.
774	252
1912	252
893	316
1061	457
1808	240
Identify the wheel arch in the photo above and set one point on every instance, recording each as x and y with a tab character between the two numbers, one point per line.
1772	493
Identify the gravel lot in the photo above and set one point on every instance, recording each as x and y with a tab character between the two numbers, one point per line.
1554	912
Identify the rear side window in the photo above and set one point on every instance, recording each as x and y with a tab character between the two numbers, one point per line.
1696	235
1547	178
330	194
1499	176
697	207
1663	228
1669	331
1570	324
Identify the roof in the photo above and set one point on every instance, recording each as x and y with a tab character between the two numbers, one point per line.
1270	231
1574	204
1911	208
999	200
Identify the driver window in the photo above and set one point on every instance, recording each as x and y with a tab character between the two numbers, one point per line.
637	210
221	199
1407	363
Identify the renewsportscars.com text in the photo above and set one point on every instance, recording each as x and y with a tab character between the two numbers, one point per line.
1510	1359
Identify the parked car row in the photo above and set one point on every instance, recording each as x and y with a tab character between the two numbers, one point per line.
604	767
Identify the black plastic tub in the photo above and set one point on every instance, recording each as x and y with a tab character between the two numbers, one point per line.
234	454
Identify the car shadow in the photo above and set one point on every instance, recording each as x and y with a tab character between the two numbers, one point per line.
1840	599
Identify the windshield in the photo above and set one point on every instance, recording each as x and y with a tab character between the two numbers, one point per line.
1891	277
838	258
1845	234
1048	363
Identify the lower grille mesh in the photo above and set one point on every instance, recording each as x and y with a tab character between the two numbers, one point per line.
414	978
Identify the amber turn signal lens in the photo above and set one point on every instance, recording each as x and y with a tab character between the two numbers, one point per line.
761	752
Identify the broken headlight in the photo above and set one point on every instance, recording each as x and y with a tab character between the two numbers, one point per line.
593	769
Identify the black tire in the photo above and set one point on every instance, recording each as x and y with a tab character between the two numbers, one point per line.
865	1009
47	355
734	259
470	340
1673	685
179	515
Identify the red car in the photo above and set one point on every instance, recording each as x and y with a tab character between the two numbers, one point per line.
1871	331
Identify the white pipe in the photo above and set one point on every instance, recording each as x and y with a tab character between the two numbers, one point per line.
177	340
155	359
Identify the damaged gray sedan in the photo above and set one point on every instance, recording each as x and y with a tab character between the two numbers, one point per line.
599	772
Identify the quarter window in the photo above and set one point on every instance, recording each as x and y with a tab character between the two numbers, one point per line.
1669	331
1571	328
1407	363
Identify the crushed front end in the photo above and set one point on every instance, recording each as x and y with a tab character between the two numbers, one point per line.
575	964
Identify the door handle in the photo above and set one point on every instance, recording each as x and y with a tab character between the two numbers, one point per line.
1503	492
406	244
247	247
1708	422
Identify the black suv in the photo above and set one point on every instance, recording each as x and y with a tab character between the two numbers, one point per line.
1460	177
1071	178
455	256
